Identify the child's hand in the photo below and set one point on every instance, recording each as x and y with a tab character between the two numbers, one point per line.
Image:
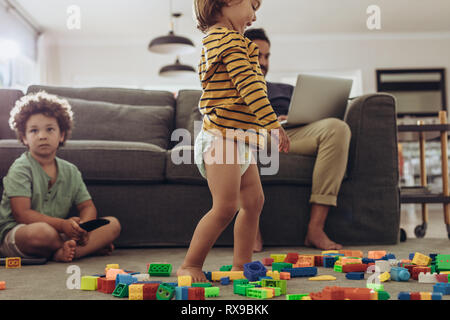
284	142
72	228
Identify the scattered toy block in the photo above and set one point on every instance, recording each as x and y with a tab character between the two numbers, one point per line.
291	257
165	292
106	286
13	263
301	272
383	295
352	253
273	274
278	257
267	261
400	274
443	262
442	287
160	269
241	289
149	291
385	276
282	284
330	252
141	277
254	270
427	277
234	275
421	259
442	278
305	261
181	293
212	292
383	265
419	296
136	291
111	266
296	296
89	283
318	261
285	276
201	284
227	267
121	291
375	286
111	274
225	281
2	285
425	295
322	278
279	266
125	278
417	270
196	293
376	254
355	275
258	293
184	281
361	267
328	262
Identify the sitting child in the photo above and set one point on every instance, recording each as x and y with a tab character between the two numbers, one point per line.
40	189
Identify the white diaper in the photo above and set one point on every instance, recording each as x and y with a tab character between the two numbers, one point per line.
204	141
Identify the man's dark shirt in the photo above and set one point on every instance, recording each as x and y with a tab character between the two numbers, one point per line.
280	97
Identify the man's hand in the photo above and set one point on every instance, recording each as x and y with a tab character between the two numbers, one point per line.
72	229
284	142
282	117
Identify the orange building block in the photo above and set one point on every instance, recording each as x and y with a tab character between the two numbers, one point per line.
2	285
376	254
285	276
304	261
352	253
13	263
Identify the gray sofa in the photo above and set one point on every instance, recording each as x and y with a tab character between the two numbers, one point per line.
122	144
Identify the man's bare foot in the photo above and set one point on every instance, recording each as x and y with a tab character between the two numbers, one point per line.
196	273
318	239
66	253
258	246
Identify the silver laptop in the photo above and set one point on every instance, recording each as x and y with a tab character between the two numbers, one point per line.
316	98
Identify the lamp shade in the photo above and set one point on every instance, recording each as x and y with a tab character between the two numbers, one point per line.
177	70
171	44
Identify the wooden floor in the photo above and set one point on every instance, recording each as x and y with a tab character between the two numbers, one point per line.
411	216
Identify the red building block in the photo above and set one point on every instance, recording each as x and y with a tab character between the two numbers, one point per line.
442	278
414	295
196	293
291	257
318	261
417	270
267	261
149	291
359	267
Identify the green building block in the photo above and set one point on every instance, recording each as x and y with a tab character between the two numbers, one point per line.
256	293
278	266
296	296
375	286
337	268
165	292
282	284
202	284
121	291
226	268
383	295
212	292
443	262
89	283
160	269
241	289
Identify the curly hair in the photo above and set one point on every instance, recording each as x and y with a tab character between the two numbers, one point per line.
41	103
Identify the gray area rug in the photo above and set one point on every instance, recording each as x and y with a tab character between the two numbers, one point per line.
48	282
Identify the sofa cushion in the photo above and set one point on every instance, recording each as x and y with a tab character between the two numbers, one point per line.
292	168
96	120
187	111
102	161
8	98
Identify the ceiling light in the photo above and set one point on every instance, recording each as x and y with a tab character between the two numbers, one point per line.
177	70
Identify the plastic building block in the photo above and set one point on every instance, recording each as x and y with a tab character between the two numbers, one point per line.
417	270
165	292
305	261
322	278
296	296
241	289
208	275
279	266
181	293
106	286
225	281
136	292
285	276
329	293
383	295
351	253
196	293
89	283
383	265
273	274
234	275
227	267
267	261
330	252
282	284
141	277
111	274
318	261
111	266
13	263
427	277
355	275
149	291
126	279
376	254
121	291
443	262
375	286
328	262
2	285
419	296
385	276
212	292
355	268
441	287
291	257
278	257
442	278
184	281
201	284
301	272
160	269
257	293
421	259
400	274
254	270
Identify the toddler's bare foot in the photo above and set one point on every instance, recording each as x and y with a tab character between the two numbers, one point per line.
195	272
318	239
258	246
66	253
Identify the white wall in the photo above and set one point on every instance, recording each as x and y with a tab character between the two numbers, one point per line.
108	63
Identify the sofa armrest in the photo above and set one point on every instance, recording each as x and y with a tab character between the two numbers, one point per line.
373	152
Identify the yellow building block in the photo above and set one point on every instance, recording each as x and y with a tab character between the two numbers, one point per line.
425	295
421	259
111	266
278	257
234	275
136	292
184	281
275	275
384	276
306	298
444	272
322	278
330	251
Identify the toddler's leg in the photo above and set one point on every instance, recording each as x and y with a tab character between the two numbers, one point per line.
223	181
42	240
100	239
247	220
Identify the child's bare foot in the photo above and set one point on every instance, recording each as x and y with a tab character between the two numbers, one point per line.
258	246
318	239
195	272
66	253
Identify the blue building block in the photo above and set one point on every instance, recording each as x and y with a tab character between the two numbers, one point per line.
254	270
181	293
400	274
355	275
301	272
367	260
208	275
225	281
411	256
436	296
442	287
404	296
389	256
328	261
125	279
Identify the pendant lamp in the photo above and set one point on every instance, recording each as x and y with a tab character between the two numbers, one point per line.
171	43
177	70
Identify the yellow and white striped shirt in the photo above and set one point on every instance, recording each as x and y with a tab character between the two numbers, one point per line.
234	90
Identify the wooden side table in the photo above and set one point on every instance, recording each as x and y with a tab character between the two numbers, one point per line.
425	197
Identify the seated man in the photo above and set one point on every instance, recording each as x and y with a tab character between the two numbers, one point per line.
327	139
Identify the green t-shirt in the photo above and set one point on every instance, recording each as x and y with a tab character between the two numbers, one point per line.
26	178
